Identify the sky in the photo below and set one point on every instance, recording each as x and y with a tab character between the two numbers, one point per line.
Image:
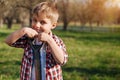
109	3
114	2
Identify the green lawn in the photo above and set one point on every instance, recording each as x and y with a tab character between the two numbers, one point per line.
92	56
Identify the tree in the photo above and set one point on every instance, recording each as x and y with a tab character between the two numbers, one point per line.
96	9
64	12
82	13
118	18
100	12
28	5
10	7
2	10
112	15
7	11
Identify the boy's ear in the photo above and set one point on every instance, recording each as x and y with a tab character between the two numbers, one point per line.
54	25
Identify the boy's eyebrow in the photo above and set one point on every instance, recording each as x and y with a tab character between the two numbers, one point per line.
33	17
42	20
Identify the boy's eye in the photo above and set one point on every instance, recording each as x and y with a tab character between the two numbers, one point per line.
34	20
42	22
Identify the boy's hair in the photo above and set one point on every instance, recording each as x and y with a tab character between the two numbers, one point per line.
49	9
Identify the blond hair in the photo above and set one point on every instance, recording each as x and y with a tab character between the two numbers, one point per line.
48	9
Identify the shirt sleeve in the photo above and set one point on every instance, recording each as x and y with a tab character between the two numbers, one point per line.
63	47
21	42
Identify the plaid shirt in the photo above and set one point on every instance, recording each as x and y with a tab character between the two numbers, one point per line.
53	69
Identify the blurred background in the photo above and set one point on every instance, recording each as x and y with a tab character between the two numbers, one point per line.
89	28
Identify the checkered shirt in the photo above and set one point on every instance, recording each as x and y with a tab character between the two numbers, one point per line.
53	69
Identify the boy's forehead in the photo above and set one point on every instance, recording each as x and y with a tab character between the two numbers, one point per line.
40	16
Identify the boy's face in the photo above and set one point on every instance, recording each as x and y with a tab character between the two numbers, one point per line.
41	23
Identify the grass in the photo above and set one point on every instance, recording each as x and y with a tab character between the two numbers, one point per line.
92	56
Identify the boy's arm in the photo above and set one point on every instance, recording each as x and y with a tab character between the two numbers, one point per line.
58	53
13	37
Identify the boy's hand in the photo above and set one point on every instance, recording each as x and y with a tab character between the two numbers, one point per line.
43	36
30	32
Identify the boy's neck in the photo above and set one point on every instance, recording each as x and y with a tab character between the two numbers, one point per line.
36	42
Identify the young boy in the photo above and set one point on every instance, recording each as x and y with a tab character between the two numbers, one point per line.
53	52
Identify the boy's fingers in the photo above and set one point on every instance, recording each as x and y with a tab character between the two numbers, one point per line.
34	36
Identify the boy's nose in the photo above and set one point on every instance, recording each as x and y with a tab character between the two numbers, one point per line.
37	24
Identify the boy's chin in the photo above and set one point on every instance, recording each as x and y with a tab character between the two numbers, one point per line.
38	30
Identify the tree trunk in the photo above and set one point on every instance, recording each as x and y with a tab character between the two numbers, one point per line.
65	26
98	23
65	23
91	28
9	23
1	23
82	25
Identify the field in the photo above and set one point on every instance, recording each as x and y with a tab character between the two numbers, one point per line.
92	56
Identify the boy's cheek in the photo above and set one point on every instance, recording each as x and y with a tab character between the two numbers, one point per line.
33	26
36	29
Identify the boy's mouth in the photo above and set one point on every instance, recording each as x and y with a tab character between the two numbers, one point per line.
38	30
